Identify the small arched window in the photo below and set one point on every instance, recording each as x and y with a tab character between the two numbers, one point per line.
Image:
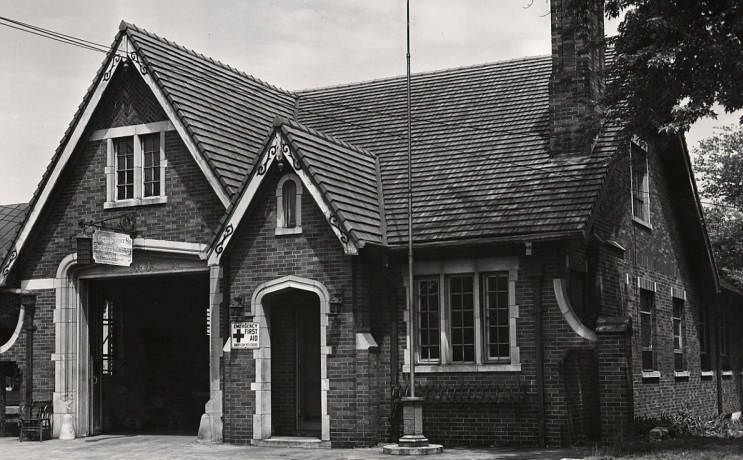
288	205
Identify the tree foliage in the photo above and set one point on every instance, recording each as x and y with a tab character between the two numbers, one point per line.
674	60
719	161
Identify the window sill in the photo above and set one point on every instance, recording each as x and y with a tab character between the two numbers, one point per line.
650	375
135	202
727	373
642	223
681	374
708	374
470	367
288	231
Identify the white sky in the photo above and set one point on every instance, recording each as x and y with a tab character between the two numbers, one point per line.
293	44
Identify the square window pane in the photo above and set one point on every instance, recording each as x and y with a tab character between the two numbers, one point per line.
647	361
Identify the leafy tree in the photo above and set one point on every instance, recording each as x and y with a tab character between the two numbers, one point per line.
719	161
674	60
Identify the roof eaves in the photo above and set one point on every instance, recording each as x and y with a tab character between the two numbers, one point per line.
382	212
356	241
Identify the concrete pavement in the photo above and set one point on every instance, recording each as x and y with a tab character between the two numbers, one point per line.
113	447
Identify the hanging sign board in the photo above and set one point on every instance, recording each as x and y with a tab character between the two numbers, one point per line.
112	248
245	335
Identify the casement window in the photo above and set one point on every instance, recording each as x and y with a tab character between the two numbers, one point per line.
289	205
108	338
705	340
496	311
428	320
466	321
647	329
640	184
135	164
679	340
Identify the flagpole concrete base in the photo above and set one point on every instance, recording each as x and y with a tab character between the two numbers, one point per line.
412	442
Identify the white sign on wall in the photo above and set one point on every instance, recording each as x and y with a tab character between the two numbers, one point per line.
112	248
245	335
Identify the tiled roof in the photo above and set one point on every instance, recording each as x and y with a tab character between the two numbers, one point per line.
481	162
11	218
346	176
227	112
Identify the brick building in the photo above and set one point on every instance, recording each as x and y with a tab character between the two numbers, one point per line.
564	280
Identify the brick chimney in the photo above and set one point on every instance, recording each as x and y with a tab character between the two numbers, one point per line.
577	79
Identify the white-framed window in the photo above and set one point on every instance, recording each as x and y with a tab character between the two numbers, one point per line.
640	183
135	164
647	329
679	332
289	205
466	316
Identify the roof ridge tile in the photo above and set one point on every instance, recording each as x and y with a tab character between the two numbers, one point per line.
325	136
301	92
218	63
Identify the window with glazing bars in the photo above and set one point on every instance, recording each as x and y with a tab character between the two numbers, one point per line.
461	300
289	196
640	184
428	320
151	156
108	339
647	329
124	148
495	302
679	361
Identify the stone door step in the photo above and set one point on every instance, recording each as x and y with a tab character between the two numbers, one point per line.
292	441
396	449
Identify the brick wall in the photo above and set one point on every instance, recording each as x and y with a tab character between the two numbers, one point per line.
512	421
669	255
191	214
257	255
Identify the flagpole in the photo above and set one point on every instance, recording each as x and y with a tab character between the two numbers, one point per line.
411	285
412	442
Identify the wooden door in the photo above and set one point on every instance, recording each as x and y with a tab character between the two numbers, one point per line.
308	364
95	300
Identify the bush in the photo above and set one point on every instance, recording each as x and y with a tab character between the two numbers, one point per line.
683	424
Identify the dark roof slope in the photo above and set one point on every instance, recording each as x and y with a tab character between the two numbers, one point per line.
481	162
11	219
227	112
346	176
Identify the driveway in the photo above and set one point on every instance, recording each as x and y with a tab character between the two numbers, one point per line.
186	448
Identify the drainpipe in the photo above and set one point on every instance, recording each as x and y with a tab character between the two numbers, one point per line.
718	367
29	303
538	320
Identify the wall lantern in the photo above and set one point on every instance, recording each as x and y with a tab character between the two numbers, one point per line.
336	302
241	305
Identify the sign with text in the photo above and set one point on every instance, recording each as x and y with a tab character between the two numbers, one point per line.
245	335
112	248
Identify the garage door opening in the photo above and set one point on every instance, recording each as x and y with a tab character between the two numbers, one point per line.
149	354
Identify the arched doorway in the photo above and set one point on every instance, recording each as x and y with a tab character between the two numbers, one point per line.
291	363
293	318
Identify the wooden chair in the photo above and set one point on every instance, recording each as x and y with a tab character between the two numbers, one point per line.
35	420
